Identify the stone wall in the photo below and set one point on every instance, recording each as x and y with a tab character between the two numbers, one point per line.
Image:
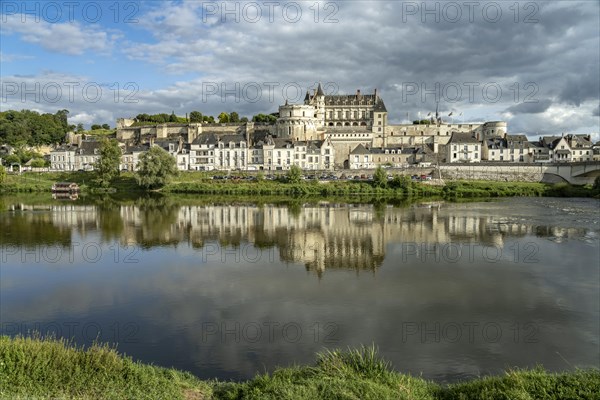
501	173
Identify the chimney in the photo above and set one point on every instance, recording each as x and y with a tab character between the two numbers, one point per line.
358	92
376	94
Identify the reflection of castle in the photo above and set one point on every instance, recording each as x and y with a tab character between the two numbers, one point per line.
319	236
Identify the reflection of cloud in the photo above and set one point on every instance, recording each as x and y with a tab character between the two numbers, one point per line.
184	305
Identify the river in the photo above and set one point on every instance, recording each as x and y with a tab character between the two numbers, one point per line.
228	289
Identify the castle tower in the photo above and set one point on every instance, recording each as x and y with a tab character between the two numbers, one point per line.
320	107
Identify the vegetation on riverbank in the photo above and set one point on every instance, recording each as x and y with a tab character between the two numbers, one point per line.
48	368
200	183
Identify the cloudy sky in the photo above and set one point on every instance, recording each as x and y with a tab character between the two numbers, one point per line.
533	64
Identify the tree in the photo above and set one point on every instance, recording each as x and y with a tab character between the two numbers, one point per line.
106	169
2	174
195	116
105	126
80	127
96	126
223	118
294	175
401	182
380	177
155	169
244	120
38	163
234	117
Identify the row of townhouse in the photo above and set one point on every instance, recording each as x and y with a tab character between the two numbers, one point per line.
209	153
231	152
464	147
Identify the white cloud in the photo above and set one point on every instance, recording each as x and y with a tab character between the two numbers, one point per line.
68	38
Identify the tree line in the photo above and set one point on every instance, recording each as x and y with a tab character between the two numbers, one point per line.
31	128
198	117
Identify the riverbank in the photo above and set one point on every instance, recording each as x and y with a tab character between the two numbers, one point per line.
48	368
200	183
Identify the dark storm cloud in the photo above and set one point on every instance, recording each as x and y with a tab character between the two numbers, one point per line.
547	52
531	108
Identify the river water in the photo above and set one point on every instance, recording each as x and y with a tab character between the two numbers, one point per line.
225	290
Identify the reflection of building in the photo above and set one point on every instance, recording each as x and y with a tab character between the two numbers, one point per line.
324	236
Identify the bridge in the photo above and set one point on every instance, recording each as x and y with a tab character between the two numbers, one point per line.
579	173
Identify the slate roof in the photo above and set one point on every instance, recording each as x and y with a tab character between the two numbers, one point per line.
89	148
460	137
360	149
210	139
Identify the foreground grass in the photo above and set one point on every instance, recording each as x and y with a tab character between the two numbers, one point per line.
46	368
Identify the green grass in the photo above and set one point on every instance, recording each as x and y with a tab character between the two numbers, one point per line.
200	183
42	368
47	368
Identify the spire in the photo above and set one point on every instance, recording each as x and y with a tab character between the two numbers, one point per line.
307	97
320	90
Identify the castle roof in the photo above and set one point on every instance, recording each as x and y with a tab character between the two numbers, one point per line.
320	90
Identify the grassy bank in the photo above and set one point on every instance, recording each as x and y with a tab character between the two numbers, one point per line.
45	368
200	183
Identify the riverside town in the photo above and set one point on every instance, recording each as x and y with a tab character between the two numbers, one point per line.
322	200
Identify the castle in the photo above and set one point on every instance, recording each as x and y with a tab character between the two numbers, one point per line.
332	132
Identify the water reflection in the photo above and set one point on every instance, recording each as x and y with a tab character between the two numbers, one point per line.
321	236
226	290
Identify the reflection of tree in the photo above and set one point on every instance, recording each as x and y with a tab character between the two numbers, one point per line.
158	215
109	218
31	229
379	208
295	208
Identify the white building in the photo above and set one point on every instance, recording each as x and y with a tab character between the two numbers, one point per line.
463	148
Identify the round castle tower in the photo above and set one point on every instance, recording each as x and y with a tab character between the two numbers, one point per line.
297	122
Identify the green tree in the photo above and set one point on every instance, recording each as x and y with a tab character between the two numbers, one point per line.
96	126
244	120
80	127
106	169
223	118
12	159
2	174
380	177
294	175
195	116
234	117
155	169
105	126
38	163
401	182
172	117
